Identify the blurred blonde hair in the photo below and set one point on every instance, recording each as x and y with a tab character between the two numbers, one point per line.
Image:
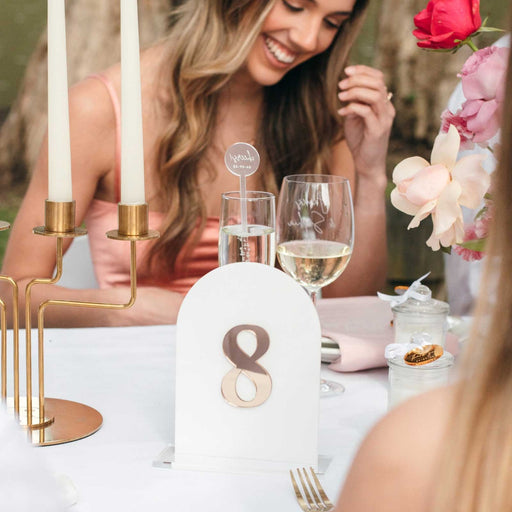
476	471
209	41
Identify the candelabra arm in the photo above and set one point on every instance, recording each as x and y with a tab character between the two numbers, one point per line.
101	305
28	325
81	304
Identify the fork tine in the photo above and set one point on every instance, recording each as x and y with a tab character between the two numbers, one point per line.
321	491
298	494
314	492
311	501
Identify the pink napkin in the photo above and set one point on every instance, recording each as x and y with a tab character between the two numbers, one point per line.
362	328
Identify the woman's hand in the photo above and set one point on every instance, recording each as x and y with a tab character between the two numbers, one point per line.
368	114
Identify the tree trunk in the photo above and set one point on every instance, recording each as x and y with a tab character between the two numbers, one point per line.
93	44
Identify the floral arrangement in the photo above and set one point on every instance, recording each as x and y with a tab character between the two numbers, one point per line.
440	187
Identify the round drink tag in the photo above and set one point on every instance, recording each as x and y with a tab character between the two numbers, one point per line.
242	159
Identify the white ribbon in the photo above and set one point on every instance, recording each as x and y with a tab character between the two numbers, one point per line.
400	349
411	292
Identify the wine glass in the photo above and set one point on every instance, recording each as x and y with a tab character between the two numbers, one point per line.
315	234
247	228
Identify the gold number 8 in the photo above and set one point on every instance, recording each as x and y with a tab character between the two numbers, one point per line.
243	363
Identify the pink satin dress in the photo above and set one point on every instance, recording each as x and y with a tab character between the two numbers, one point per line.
111	258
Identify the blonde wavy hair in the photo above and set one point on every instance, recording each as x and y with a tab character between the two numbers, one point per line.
477	458
208	42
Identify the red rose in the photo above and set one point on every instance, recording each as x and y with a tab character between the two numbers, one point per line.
445	21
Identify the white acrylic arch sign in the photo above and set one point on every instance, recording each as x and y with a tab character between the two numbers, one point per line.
247	373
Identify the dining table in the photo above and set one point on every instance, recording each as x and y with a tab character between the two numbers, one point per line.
127	374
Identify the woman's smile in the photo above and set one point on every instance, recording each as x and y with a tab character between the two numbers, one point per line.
293	32
279	52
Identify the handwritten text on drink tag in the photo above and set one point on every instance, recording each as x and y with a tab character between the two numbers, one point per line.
242	159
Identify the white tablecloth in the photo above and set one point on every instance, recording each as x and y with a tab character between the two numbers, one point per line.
127	375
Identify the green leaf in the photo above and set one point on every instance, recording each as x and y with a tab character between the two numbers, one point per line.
474	245
481	212
489	29
446	250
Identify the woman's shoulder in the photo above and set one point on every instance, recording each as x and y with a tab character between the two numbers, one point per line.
96	93
416	425
398	458
91	102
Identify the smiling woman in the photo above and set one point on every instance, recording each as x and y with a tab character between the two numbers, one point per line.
292	33
268	72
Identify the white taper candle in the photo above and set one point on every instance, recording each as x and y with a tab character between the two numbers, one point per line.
132	152
59	152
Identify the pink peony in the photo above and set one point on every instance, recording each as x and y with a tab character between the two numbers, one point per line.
466	136
483	74
482	119
440	188
483	84
445	23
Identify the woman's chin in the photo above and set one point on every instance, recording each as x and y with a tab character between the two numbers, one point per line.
267	77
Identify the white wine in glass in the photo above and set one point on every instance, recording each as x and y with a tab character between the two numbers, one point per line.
314	263
315	234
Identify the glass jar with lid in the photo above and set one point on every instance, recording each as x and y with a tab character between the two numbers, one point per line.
420	313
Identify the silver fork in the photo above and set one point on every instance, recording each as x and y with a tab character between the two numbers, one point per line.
310	493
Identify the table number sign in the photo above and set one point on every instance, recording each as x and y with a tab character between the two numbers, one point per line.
247	372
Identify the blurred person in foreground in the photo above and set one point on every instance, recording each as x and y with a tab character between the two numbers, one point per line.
451	449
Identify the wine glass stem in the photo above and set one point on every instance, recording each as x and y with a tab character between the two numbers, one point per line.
327	387
313	295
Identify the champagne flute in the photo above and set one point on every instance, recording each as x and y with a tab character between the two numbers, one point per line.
315	234
247	228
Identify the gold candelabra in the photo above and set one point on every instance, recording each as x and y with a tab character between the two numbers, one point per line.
51	420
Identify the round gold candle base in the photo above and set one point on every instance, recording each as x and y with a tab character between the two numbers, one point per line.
42	230
4	225
150	235
64	421
72	421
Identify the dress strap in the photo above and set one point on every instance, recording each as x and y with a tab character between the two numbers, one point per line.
117	114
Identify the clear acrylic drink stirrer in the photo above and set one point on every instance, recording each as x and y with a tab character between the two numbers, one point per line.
242	160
